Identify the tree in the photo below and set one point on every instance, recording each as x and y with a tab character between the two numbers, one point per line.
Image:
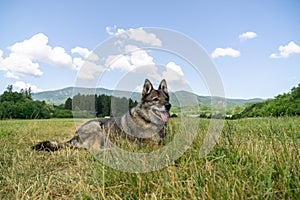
28	93
132	103
106	105
9	88
296	92
20	105
101	105
68	104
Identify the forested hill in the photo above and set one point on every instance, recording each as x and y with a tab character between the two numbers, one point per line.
58	97
282	105
20	105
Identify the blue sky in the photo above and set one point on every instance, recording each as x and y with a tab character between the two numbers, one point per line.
255	45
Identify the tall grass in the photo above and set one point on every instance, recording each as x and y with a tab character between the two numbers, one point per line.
253	159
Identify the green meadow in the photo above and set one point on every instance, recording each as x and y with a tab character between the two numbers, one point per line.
257	158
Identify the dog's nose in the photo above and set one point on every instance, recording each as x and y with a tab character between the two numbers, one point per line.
167	105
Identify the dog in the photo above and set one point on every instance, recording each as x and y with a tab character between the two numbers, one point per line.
147	120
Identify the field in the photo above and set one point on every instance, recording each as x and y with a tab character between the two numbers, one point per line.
253	159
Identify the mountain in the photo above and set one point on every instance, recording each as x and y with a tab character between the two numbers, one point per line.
178	98
60	96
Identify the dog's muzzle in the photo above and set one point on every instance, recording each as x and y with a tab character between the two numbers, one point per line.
163	113
167	106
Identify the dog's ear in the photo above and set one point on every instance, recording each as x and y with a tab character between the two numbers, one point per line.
163	86
147	88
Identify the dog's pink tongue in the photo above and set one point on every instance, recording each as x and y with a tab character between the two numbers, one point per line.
164	116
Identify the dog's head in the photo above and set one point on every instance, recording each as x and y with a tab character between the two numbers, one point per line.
156	102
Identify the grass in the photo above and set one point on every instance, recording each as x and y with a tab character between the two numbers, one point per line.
253	159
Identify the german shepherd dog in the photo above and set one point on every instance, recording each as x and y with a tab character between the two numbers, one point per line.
147	121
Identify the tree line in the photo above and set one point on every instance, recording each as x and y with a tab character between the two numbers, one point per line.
20	105
100	105
287	104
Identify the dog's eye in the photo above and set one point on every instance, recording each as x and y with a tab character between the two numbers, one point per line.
155	99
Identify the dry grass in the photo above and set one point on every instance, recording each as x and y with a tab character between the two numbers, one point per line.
254	158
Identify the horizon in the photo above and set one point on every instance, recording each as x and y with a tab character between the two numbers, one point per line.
200	95
254	54
204	95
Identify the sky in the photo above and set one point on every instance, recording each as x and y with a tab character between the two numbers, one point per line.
253	46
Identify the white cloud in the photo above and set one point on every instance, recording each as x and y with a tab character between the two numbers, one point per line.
141	58
37	49
11	75
139	62
287	50
225	52
173	72
131	48
1	54
87	70
85	53
2	67
136	61
141	35
19	65
247	35
58	57
121	62
114	30
78	62
174	67
175	77
138	88
25	56
136	34
131	61
23	85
